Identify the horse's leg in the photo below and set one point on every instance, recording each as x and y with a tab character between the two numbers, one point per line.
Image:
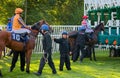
90	53
2	47
82	55
93	51
0	59
76	54
0	54
4	52
28	57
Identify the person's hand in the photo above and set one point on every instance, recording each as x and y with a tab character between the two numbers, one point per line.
28	27
70	53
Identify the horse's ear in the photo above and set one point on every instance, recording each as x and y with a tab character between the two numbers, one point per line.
100	22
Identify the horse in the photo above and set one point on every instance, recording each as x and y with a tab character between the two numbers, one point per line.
6	41
90	44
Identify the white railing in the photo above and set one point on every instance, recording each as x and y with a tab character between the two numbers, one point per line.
57	34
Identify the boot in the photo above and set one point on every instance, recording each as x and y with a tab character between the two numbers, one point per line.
37	73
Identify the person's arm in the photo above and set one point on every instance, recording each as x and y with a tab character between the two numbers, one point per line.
22	22
57	40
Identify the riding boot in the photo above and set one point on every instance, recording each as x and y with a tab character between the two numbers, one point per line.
27	38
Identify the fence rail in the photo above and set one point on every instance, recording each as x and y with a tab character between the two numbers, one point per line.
57	34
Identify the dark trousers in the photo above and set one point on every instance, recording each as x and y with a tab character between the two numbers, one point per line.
15	58
64	58
76	53
50	63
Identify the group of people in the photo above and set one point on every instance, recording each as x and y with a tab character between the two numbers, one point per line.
17	25
64	48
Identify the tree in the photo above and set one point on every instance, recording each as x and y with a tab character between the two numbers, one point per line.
53	11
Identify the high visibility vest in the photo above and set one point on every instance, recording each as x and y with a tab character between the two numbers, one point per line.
16	23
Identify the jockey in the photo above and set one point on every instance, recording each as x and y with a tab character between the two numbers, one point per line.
85	23
18	25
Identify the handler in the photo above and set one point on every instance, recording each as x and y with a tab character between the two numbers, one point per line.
47	47
80	44
64	48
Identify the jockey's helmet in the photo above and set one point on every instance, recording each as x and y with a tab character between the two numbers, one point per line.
85	17
45	27
64	33
81	28
18	11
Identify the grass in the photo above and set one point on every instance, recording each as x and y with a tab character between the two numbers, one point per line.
104	67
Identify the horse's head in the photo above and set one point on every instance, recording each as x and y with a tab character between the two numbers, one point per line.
99	27
36	26
102	26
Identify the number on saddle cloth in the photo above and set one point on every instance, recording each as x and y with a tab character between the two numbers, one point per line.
20	37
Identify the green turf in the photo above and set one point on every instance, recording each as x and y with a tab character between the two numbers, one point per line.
104	67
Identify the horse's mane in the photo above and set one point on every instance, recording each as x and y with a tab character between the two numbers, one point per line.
97	26
44	22
35	26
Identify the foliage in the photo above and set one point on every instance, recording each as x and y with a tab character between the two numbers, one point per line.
53	11
7	8
104	67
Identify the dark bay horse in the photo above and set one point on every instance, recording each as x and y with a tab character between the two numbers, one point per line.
90	44
6	41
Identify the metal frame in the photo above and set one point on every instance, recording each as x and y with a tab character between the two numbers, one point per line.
99	4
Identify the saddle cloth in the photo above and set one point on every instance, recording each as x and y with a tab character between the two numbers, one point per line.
20	37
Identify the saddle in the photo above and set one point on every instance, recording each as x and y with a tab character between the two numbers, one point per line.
20	37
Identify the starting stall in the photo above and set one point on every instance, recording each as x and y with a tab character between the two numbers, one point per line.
108	12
